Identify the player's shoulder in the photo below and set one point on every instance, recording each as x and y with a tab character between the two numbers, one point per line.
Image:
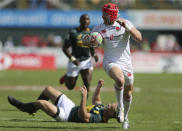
98	27
73	31
128	21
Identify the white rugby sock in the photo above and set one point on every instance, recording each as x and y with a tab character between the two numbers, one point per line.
127	105
119	97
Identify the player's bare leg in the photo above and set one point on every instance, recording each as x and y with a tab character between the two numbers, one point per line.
46	106
117	75
52	93
70	82
48	92
86	78
127	103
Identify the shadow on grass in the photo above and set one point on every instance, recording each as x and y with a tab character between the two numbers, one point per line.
63	127
5	110
28	120
78	128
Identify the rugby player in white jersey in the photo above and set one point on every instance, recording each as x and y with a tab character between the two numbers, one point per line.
117	63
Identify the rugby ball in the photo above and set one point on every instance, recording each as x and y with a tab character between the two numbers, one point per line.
95	39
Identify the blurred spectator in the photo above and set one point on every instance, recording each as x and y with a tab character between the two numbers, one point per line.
81	4
9	42
30	40
1	44
91	4
95	2
135	46
145	45
153	45
57	40
43	42
22	4
166	43
54	40
125	3
33	41
38	4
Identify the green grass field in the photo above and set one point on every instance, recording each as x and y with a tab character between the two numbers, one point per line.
156	105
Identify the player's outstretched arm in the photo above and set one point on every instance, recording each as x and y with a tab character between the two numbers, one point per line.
136	34
82	112
96	98
129	27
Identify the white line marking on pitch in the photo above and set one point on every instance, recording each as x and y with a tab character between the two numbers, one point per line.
136	89
33	119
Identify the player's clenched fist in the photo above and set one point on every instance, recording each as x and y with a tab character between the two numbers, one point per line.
128	26
83	91
100	83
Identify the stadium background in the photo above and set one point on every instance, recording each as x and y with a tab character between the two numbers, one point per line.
32	33
39	27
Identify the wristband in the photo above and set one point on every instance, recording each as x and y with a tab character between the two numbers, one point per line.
72	58
128	26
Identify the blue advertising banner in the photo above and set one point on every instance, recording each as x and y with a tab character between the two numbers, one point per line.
47	18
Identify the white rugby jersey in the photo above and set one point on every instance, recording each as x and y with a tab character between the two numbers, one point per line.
116	43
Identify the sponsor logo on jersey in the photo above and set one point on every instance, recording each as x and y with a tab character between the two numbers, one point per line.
80	42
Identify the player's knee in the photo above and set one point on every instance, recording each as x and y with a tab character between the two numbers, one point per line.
47	89
70	87
40	103
119	82
127	95
87	84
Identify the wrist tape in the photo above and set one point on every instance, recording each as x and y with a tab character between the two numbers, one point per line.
72	58
128	26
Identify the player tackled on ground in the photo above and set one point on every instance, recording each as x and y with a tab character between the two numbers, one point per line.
63	109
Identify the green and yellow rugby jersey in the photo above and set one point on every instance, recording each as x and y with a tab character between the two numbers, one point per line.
74	40
96	112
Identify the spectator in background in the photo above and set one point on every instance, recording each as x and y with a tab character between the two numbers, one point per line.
54	40
166	43
1	44
34	41
9	42
38	4
145	45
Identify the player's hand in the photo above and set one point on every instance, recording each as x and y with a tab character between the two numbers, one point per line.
76	62
96	58
122	22
126	25
100	83
83	91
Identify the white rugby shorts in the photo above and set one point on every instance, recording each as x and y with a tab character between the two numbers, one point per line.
65	105
73	70
127	71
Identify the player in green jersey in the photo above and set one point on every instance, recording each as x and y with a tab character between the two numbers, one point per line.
79	57
63	109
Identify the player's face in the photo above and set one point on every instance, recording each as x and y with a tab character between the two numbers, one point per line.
106	18
111	109
85	21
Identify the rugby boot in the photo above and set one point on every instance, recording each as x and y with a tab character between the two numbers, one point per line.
126	124
120	115
62	79
24	107
15	102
